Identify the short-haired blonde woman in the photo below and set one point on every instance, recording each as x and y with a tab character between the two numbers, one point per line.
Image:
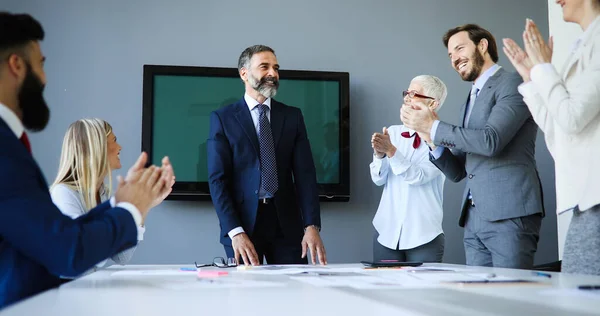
89	153
408	221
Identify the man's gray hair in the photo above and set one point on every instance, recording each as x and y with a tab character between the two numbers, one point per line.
244	61
432	87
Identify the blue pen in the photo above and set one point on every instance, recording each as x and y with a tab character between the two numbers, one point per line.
543	274
187	269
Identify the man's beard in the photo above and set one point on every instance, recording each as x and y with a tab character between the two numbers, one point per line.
478	62
262	85
36	113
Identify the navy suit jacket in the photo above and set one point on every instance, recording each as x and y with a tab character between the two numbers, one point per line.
38	244
234	170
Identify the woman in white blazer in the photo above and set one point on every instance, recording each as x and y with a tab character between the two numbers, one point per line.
566	107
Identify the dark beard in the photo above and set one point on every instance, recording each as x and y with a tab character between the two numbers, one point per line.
478	62
36	113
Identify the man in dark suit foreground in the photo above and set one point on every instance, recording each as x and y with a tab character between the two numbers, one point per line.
261	172
38	244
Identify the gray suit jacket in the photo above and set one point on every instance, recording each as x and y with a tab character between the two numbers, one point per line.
495	152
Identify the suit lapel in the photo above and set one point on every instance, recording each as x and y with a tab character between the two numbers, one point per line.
28	155
571	61
277	120
575	56
244	117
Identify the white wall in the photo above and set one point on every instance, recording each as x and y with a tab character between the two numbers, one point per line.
564	35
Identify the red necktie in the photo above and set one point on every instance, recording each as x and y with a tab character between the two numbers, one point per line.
416	142
25	141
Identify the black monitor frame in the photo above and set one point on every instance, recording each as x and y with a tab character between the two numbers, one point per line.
199	191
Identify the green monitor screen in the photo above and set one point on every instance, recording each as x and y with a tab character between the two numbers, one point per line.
178	101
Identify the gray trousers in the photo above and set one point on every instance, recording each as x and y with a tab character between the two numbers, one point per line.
509	243
582	246
432	251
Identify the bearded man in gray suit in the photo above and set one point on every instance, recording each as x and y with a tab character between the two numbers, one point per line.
494	148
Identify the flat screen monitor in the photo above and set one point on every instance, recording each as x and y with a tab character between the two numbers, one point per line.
178	100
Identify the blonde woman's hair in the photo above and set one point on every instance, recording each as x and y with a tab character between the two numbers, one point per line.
84	160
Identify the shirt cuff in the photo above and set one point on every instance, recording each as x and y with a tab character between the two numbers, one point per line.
141	231
137	216
434	127
437	153
235	231
399	163
526	88
541	70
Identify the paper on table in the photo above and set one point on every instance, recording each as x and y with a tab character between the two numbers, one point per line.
298	269
455	277
327	281
431	269
571	292
163	272
359	282
219	283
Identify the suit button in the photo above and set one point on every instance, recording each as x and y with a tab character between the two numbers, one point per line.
256	192
470	176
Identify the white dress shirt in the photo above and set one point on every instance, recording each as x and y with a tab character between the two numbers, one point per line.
12	120
70	203
410	212
252	106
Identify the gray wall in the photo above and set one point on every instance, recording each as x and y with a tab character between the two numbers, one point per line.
96	50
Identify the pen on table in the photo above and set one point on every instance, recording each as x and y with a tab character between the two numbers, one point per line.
187	269
589	287
548	275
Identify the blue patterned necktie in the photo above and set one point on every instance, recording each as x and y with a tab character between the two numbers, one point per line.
268	163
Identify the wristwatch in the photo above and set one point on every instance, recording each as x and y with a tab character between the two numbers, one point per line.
315	226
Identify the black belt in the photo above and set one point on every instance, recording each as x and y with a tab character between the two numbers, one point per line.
266	201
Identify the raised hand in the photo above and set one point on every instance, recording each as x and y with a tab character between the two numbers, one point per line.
142	187
536	48
518	58
168	175
382	144
418	117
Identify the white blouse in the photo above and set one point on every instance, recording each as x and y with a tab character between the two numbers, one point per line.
70	203
410	212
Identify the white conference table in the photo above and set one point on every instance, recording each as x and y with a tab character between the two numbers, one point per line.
151	290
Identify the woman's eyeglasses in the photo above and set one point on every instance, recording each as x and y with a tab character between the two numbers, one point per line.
219	262
413	94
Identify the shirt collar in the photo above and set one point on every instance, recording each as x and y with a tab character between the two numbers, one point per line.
480	82
585	35
410	131
253	103
12	120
